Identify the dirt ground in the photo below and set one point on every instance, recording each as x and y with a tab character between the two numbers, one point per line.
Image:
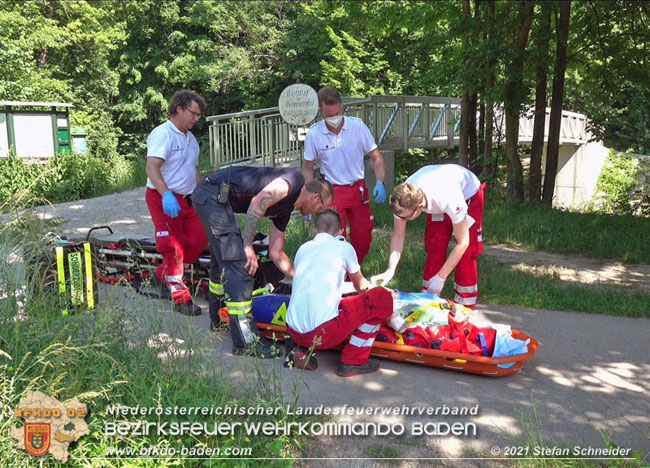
127	214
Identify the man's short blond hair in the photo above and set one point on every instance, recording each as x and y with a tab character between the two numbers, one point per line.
405	198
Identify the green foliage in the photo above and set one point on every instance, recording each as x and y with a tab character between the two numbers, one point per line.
60	51
534	226
608	77
120	62
617	178
506	283
65	177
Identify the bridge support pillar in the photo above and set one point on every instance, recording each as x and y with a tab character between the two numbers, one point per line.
389	159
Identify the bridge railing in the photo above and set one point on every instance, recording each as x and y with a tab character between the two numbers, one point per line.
262	137
573	130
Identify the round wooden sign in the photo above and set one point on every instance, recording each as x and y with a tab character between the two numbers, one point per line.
298	104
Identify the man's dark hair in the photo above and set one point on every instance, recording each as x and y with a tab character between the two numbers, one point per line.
329	221
184	99
328	95
317	186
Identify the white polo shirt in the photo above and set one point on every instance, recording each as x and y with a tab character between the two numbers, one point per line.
181	155
320	266
447	187
341	156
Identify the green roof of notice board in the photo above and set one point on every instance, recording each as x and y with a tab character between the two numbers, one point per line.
30	103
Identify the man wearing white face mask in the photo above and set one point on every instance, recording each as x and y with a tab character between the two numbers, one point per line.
340	143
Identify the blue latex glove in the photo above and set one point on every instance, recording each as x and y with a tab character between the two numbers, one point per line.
170	205
379	193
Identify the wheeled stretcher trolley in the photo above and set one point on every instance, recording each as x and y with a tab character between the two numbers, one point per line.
134	260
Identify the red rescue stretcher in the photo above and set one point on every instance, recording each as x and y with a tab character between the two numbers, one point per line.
468	363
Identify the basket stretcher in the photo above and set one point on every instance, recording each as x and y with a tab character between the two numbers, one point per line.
468	363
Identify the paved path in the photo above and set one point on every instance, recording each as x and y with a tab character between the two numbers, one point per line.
590	371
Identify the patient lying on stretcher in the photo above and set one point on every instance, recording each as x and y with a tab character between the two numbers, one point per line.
427	321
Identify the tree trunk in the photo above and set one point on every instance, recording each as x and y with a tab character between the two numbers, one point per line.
514	173
473	139
463	159
489	169
473	107
537	146
42	55
555	121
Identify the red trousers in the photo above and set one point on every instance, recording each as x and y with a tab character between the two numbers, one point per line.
359	319
353	204
179	240
436	242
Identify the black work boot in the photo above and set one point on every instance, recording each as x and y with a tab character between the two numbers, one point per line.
348	370
247	341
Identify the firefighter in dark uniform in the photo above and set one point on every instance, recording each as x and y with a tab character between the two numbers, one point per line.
259	192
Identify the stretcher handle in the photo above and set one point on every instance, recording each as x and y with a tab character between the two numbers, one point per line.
96	228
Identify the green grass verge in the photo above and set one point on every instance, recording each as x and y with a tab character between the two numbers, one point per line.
534	450
505	283
535	226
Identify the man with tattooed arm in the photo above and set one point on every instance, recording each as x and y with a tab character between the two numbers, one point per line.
259	192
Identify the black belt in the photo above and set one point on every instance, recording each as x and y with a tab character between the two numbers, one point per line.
351	184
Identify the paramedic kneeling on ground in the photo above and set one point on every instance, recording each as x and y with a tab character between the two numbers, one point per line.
317	316
452	196
259	192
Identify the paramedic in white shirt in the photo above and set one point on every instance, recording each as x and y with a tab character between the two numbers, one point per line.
340	144
317	316
452	197
172	171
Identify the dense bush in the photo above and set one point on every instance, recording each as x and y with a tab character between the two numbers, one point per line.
62	178
621	186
